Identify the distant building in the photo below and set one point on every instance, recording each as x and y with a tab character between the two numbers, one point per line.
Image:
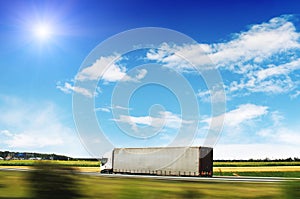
9	157
35	158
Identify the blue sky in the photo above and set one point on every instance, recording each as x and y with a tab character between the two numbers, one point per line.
253	45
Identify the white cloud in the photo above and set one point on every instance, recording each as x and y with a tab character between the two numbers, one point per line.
142	73
106	69
244	113
263	58
282	134
36	126
103	109
103	67
204	95
271	86
139	76
68	88
274	79
120	107
280	70
179	57
278	132
165	118
242	133
110	108
240	115
98	71
30	139
253	142
277	118
258	43
6	133
295	95
255	151
212	96
254	55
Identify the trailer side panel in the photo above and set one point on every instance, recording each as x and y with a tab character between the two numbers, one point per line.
183	161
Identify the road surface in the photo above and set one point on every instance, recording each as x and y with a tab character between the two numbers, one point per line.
178	178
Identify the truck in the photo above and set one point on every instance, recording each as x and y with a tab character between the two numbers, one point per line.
168	161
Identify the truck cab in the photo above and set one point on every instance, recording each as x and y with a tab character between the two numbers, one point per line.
106	165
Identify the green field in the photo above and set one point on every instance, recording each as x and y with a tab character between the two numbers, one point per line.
289	174
255	164
71	163
221	168
81	163
15	185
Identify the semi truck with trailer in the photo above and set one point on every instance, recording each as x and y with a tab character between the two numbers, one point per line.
169	161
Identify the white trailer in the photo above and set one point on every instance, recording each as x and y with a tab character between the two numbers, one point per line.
179	161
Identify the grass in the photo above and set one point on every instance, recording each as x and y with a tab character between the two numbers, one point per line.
81	163
145	188
265	171
254	164
13	184
258	169
71	163
290	174
16	185
262	169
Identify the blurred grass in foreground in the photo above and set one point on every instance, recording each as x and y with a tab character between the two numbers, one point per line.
54	181
292	190
49	181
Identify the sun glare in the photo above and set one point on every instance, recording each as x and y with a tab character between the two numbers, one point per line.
43	31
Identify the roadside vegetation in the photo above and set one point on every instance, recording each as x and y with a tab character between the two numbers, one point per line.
256	164
258	169
59	179
86	163
59	182
71	163
288	174
254	169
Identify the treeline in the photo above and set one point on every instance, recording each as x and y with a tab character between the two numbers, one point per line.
8	155
295	159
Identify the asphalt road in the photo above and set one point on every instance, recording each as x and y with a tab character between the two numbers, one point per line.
176	178
196	179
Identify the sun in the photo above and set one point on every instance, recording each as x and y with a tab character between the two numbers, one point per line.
43	31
